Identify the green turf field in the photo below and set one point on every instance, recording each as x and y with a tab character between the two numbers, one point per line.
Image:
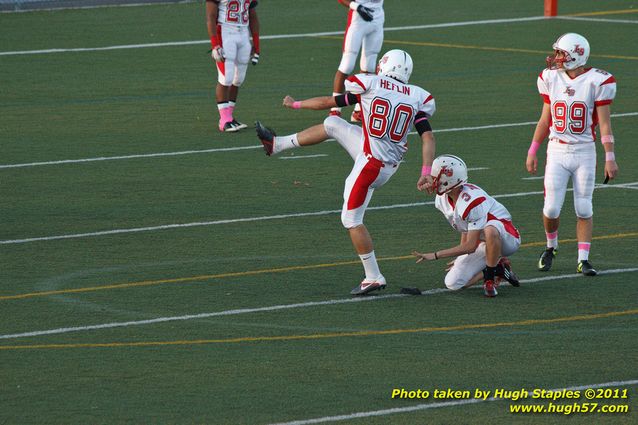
211	285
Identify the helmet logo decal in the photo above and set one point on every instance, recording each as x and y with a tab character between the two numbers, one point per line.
578	50
447	171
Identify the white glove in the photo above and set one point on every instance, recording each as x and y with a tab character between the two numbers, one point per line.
218	54
255	58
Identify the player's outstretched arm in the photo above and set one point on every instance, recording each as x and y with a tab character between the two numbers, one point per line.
467	246
316	103
540	134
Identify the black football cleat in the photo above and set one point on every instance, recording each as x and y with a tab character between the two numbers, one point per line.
229	127
266	136
238	125
546	260
586	268
504	270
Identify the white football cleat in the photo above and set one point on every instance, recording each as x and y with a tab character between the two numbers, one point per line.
369	285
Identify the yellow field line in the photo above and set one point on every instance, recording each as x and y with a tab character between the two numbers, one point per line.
529	322
606	12
474	47
257	272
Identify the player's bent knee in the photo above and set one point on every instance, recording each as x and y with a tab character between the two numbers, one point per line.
331	124
584	208
351	219
453	282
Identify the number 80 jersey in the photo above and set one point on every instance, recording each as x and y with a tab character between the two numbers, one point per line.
389	109
573	102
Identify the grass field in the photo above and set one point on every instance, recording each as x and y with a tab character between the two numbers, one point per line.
211	284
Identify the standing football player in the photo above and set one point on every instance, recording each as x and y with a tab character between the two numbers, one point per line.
487	233
389	106
364	32
576	100
231	24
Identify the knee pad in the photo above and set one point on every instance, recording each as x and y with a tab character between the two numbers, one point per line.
330	125
551	211
453	282
240	74
347	62
583	207
352	218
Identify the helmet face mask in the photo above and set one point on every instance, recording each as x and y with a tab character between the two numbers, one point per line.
449	171
571	51
396	64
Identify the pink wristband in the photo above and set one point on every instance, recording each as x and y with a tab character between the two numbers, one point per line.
608	138
426	170
533	148
610	156
296	104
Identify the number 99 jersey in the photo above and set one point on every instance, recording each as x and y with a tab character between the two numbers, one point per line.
389	108
573	102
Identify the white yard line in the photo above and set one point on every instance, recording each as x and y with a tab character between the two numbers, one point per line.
240	148
263	218
270	37
272	308
425	406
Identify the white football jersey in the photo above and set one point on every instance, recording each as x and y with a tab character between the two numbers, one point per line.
473	209
388	109
573	102
233	12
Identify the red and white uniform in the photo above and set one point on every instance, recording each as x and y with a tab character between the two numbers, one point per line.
475	210
571	151
232	18
389	110
363	35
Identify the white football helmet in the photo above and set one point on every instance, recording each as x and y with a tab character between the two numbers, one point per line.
449	171
396	64
575	49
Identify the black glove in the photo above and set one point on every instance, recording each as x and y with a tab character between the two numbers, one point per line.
365	12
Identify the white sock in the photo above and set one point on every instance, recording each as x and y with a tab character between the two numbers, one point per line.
285	142
224	105
370	265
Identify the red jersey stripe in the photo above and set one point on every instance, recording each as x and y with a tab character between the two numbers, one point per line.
473	204
354	79
546	98
603	102
609	80
430	97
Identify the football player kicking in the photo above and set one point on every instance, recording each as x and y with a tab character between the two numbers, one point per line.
576	99
390	106
364	32
487	233
231	24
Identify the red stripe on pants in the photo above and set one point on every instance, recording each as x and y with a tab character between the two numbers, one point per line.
367	176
